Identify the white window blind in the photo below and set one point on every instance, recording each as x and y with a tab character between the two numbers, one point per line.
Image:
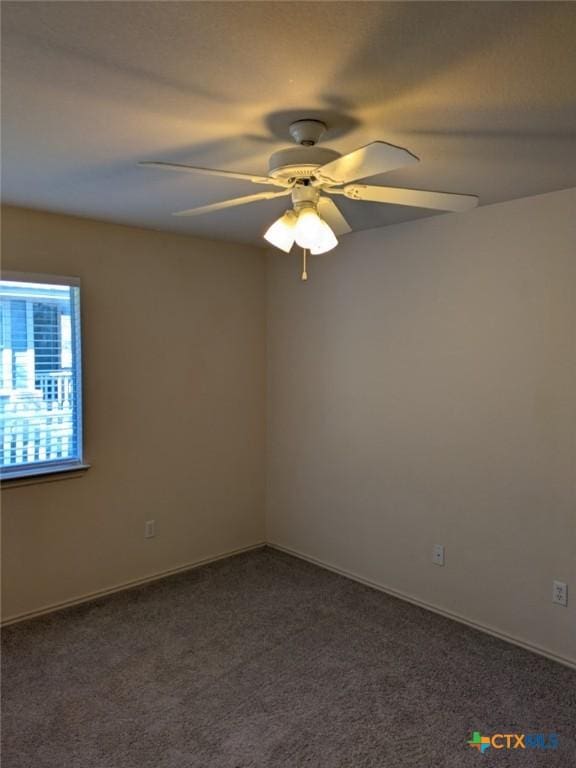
40	375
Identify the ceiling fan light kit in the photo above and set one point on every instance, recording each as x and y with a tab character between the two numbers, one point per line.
303	227
309	173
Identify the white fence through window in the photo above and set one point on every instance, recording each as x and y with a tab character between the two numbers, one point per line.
39	426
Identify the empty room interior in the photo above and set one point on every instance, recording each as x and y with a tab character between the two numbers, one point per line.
288	384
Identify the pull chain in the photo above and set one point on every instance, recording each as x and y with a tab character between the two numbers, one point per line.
304	273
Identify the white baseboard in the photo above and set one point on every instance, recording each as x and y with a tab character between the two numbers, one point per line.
90	596
430	607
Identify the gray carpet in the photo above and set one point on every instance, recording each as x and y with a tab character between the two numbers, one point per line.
264	661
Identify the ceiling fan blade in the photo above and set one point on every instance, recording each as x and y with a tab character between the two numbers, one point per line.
231	203
416	198
210	172
331	214
375	158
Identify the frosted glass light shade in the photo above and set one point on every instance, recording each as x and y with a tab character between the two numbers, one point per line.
327	241
281	233
309	232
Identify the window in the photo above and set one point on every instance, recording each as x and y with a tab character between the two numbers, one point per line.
40	375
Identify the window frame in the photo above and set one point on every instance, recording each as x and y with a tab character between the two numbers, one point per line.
60	467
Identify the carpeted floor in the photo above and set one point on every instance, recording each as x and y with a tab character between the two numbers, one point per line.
265	661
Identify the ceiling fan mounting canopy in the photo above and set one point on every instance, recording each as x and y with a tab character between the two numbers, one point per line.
307	133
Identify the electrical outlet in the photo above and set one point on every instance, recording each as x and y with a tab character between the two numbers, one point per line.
560	593
438	554
149	529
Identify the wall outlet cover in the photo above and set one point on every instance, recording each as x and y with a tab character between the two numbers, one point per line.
560	593
438	554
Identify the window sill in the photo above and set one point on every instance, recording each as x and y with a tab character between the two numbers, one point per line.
45	476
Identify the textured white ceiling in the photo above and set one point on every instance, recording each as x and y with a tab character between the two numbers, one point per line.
484	93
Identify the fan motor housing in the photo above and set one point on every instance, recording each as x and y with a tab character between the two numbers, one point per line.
299	162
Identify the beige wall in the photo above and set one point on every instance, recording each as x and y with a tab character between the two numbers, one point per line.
422	390
173	333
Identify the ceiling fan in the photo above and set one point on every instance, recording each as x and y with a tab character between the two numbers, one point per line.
310	174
